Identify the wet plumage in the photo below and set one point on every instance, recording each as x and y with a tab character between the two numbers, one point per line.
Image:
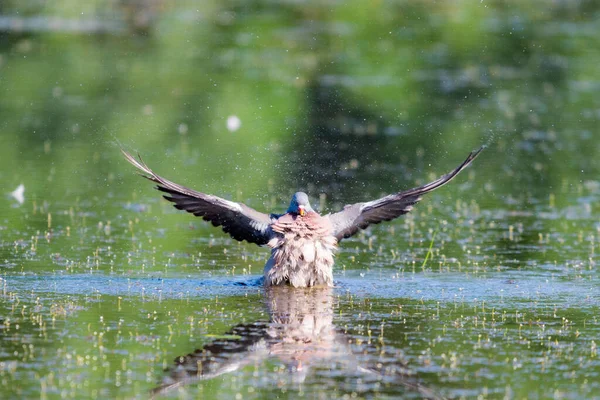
302	242
302	250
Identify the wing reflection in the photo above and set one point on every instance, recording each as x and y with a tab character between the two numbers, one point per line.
301	336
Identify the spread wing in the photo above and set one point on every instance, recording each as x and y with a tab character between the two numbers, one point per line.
237	219
360	215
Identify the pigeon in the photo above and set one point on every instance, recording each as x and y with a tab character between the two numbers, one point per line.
302	241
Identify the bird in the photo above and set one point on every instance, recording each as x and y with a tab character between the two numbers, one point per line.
302	242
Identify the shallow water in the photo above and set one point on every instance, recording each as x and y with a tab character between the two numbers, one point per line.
488	289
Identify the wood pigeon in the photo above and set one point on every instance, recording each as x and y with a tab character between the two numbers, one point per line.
302	242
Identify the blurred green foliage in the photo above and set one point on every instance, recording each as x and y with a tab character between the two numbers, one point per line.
317	87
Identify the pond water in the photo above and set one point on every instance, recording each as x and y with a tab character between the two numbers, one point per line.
488	289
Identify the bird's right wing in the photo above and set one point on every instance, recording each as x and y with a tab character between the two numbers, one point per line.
360	215
237	219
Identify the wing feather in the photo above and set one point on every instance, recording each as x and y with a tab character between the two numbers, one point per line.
236	219
360	215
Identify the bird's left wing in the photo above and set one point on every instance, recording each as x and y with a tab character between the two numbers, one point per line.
360	215
237	219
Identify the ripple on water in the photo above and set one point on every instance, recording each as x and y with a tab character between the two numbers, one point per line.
516	287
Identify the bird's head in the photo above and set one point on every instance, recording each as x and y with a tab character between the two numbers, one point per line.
299	204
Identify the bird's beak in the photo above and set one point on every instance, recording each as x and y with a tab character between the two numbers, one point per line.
301	211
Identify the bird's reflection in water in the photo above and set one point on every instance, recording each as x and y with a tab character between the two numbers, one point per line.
301	336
